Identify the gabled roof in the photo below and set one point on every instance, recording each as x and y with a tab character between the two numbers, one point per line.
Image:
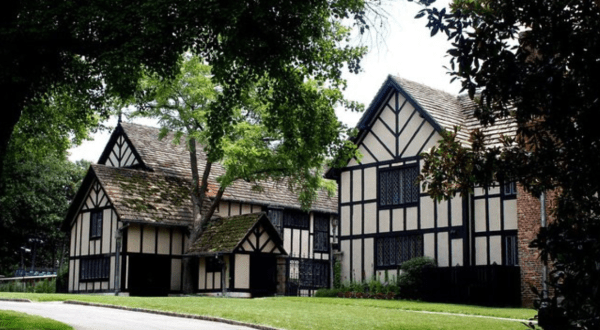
142	196
441	109
225	235
164	156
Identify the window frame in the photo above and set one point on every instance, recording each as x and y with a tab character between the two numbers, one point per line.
295	219
393	241
276	221
96	220
212	265
511	244
509	189
402	200
94	269
320	233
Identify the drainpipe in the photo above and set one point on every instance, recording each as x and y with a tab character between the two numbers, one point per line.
544	266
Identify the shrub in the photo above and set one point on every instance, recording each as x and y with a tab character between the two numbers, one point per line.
45	286
328	293
375	286
337	274
410	281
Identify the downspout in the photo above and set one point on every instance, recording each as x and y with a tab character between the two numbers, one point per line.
544	266
119	238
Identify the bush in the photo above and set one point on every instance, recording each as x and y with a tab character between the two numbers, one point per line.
328	292
375	286
337	274
410	281
62	280
45	286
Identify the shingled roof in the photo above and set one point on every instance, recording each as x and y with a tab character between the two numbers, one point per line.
223	235
142	196
164	156
443	110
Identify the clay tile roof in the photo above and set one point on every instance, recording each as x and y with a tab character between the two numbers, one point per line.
142	196
224	234
166	157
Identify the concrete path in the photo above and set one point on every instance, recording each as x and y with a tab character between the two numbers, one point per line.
92	318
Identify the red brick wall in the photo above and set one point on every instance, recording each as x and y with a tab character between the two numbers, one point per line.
529	222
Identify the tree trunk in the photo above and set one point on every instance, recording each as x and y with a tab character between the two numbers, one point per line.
198	195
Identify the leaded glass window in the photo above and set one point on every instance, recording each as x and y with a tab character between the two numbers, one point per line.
276	217
295	219
321	232
94	269
393	251
398	186
95	224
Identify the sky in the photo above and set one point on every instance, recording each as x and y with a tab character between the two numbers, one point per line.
405	48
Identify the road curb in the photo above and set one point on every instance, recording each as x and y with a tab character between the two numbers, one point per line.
188	316
15	299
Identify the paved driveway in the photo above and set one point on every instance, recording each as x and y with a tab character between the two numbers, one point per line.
91	317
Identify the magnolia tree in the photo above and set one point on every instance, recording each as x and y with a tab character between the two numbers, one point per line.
536	62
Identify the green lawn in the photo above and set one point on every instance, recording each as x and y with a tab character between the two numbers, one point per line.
317	313
17	320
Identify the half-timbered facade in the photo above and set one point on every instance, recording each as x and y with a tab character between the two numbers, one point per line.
130	221
387	218
238	256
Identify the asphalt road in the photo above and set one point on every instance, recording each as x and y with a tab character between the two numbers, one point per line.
100	318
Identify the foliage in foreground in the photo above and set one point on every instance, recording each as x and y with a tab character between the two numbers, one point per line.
535	62
17	320
96	50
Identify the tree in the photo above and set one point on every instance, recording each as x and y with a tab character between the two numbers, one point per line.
259	140
536	62
38	191
97	49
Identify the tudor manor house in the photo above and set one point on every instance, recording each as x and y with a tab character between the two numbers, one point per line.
129	222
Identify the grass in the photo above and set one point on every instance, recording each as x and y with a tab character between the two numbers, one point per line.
17	320
317	313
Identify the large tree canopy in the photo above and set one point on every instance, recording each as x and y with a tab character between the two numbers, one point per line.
259	140
537	62
94	49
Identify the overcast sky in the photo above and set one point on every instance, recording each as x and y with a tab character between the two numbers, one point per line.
407	51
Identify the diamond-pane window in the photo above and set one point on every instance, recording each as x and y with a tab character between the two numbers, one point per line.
321	232
393	251
398	186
